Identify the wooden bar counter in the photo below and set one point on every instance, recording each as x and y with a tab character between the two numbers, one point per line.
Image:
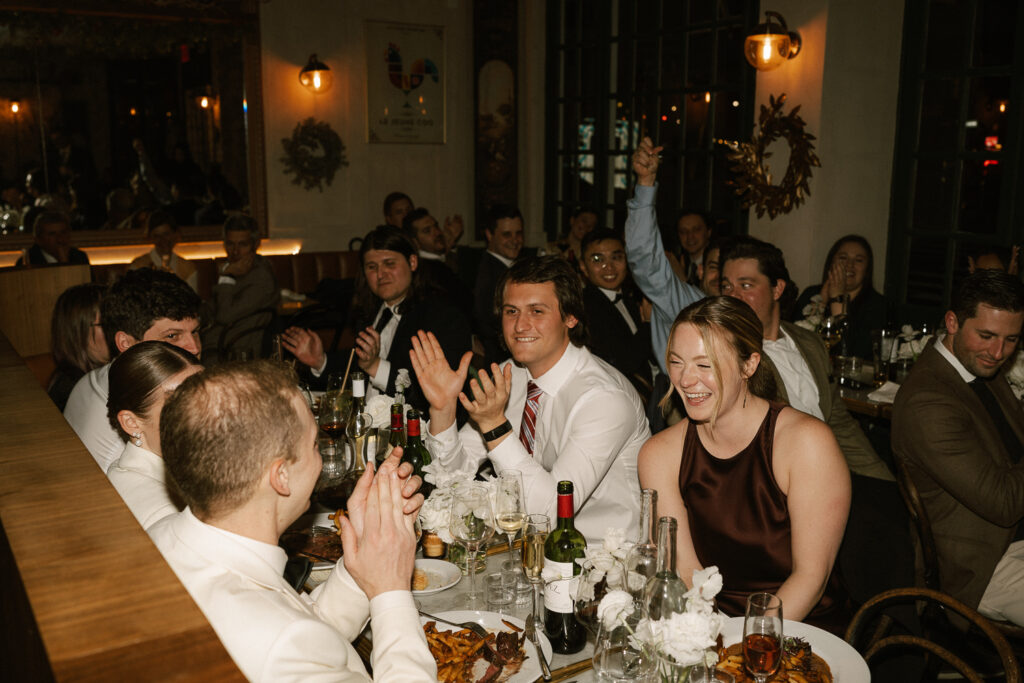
84	593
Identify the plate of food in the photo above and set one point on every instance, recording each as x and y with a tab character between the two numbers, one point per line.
434	576
321	544
506	656
810	655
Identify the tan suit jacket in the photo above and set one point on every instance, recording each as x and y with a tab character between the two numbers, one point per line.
860	456
950	445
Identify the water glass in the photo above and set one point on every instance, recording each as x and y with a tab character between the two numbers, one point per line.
501	589
762	635
882	342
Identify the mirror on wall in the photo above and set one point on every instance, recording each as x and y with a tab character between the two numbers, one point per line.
111	109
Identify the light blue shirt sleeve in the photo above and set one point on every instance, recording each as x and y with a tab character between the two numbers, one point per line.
652	271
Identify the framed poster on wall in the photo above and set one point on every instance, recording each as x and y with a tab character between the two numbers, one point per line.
405	83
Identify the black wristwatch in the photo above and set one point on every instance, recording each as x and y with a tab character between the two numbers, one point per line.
498	432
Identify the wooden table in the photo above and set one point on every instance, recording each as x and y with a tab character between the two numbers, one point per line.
857	401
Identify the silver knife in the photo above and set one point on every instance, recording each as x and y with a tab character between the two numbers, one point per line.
531	633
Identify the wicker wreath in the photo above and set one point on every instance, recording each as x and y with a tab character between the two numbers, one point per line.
753	178
313	153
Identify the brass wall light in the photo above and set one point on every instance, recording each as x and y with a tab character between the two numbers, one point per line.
316	76
770	44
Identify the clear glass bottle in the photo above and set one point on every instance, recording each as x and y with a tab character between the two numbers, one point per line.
642	560
562	548
335	496
666	593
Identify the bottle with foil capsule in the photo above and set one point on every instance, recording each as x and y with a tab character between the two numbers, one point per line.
562	548
416	453
396	433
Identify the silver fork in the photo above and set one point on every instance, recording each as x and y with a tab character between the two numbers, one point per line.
471	625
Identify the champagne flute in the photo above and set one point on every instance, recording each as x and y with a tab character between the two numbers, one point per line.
762	635
535	533
472	523
509	509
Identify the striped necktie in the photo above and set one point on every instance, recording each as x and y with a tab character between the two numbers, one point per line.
526	430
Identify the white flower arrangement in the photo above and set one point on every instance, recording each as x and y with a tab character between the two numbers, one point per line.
910	343
1015	376
434	515
606	564
813	313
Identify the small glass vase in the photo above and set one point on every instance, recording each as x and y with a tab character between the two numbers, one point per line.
670	671
457	556
620	655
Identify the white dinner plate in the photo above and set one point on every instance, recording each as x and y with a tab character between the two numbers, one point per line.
492	622
846	663
441	576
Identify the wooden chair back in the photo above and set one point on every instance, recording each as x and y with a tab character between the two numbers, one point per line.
918	514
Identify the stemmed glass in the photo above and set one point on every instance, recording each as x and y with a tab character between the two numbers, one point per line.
510	513
762	635
535	532
472	523
333	413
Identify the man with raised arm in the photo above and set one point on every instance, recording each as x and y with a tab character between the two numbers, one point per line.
553	411
240	443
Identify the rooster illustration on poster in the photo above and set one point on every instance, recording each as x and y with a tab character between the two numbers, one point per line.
408	80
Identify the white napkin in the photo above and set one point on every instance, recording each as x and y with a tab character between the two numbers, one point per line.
885	393
289	295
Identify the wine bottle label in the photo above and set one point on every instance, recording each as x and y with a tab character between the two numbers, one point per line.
558	592
358	388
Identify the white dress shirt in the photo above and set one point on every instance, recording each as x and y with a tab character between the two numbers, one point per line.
379	381
590	427
277	634
795	373
140	477
86	412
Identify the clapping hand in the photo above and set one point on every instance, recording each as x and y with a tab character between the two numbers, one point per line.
368	350
490	397
304	345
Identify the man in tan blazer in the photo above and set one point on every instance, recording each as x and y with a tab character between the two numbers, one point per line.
959	430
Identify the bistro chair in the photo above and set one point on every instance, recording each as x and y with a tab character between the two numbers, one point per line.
869	632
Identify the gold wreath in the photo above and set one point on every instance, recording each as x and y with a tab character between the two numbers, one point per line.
754	179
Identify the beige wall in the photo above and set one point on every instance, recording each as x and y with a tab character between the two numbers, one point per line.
845	80
439	177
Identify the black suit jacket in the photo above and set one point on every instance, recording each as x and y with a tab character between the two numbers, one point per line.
610	338
36	258
437	275
447	323
486	322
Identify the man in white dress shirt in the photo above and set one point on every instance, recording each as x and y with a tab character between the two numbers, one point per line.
241	444
144	305
584	421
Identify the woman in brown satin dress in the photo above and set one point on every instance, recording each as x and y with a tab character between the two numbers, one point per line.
759	489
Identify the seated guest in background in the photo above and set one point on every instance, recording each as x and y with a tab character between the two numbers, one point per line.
994	258
710	270
582	221
959	432
244	297
848	272
693	230
434	267
240	443
553	411
163	231
619	333
144	305
759	489
120	204
76	339
52	246
504	242
391	305
141	378
396	205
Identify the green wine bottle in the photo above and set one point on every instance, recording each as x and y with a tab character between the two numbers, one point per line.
561	550
396	435
416	453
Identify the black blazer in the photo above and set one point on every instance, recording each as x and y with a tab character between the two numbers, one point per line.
610	338
447	323
36	258
438	276
486	322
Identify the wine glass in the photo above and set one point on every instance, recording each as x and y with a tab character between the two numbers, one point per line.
333	413
535	533
472	523
510	513
831	331
762	635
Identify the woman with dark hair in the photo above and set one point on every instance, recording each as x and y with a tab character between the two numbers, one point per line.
391	306
140	380
848	271
77	340
759	489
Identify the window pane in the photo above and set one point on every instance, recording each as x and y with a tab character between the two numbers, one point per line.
673	62
949	23
695	181
730	55
571	72
993	36
699	59
625	59
700	10
673	17
571	30
979	196
987	114
648	17
728	125
940	112
933	195
646	72
697	107
926	265
673	113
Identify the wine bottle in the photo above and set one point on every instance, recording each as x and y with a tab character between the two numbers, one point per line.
396	435
642	559
666	593
564	545
416	453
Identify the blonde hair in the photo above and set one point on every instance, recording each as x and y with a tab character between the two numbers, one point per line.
724	320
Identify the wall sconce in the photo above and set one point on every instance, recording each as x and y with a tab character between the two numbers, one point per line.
15	107
316	76
770	44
